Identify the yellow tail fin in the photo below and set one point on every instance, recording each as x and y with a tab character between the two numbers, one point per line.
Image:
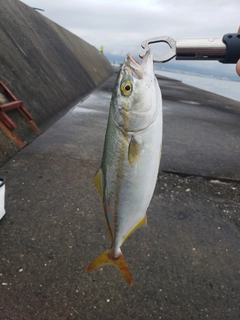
108	258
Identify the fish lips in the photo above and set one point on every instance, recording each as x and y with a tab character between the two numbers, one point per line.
137	68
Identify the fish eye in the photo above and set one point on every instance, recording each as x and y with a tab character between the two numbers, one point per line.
126	88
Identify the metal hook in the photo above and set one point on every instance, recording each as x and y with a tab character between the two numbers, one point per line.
170	41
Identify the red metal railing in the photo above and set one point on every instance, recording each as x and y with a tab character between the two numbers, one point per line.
6	123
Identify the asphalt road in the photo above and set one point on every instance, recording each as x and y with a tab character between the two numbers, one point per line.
185	264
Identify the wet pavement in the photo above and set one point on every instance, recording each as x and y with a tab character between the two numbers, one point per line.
185	264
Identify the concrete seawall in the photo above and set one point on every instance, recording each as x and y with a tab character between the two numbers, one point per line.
46	67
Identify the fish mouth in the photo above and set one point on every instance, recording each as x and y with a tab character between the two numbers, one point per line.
137	67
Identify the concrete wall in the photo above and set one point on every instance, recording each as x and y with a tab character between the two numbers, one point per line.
44	65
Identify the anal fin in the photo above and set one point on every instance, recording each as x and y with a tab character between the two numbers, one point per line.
141	223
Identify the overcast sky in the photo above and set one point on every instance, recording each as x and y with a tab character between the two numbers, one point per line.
121	26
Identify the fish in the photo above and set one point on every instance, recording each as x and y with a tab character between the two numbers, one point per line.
130	163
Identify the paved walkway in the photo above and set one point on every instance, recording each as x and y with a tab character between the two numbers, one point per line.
185	264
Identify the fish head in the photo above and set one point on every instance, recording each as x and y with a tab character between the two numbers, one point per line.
136	98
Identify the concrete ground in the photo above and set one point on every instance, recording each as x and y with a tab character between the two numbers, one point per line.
185	264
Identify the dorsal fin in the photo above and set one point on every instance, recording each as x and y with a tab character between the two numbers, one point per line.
98	182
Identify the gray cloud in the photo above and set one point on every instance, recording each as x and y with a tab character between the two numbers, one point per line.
121	26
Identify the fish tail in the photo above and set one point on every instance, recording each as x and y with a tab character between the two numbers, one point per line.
108	258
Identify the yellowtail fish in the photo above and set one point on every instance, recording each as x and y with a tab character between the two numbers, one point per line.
131	157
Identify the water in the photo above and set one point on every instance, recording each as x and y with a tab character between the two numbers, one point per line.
225	88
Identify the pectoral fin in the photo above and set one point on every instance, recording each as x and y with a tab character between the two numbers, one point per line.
133	150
